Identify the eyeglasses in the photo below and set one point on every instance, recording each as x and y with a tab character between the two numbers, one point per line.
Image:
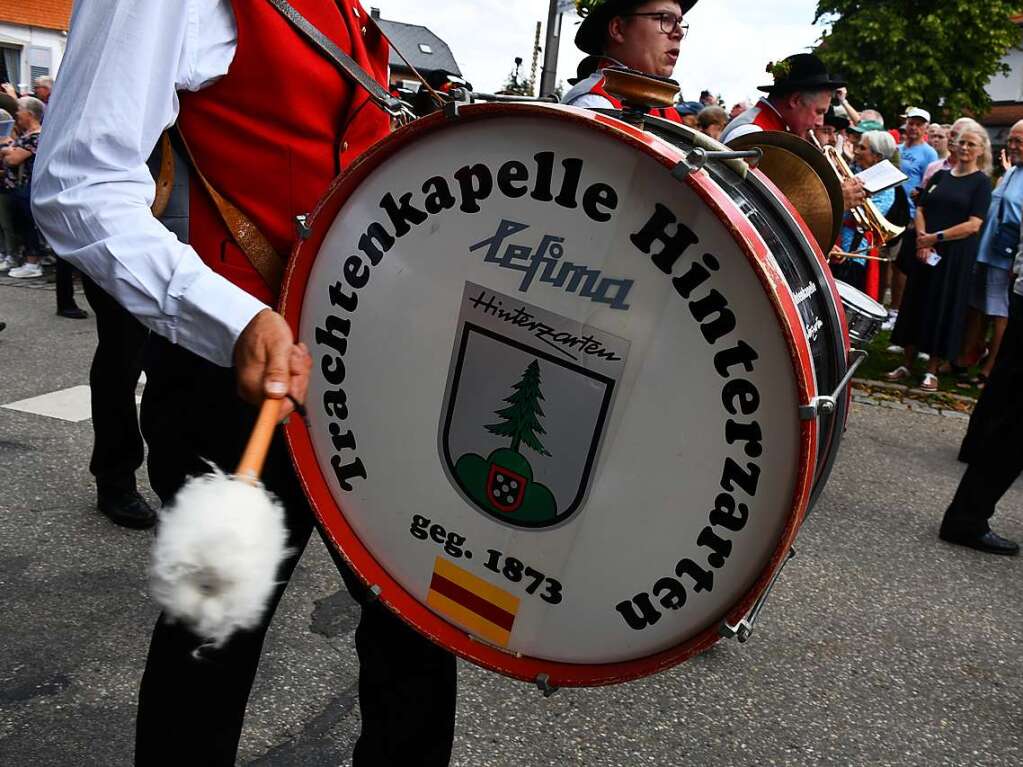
669	21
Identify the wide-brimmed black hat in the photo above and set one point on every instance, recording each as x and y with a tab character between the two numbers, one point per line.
590	37
801	72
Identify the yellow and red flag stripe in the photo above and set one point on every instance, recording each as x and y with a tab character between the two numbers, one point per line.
476	604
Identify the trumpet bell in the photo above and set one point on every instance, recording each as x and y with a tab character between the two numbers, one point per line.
804	176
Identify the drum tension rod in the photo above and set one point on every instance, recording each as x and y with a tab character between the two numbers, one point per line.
302	227
699	157
543	682
743	630
826	405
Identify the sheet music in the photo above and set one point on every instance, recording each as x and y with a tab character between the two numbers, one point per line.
882	176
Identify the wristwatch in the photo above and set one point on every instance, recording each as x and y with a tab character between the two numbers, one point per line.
940	236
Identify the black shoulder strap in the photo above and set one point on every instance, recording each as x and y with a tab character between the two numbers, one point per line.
345	63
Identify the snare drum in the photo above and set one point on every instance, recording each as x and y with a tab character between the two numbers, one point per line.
562	418
864	316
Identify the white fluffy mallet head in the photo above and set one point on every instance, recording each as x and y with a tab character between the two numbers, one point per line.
216	555
221	542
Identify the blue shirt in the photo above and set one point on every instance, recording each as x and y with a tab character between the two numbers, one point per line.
1011	191
883	201
915	160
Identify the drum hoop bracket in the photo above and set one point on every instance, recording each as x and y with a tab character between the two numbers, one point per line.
543	683
302	228
826	405
743	630
699	157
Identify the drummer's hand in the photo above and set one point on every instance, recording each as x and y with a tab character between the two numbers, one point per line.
836	256
268	362
925	240
853	194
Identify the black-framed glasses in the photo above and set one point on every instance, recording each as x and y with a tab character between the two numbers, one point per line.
669	21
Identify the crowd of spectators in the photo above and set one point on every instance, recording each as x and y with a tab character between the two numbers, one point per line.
23	253
948	280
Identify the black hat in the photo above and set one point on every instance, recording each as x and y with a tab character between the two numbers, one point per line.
590	37
800	72
835	121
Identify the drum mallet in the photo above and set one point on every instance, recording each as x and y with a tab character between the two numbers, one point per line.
220	543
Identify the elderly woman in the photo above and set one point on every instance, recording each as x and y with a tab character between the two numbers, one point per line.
712	121
873	147
18	158
949	216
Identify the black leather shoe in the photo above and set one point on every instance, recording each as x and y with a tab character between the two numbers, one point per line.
988	542
72	313
127	510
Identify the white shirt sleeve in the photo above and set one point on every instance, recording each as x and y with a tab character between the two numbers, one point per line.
740	130
592	101
116	92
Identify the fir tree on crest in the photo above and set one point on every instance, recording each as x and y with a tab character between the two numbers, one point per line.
522	416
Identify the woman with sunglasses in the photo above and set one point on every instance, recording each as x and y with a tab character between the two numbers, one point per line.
949	216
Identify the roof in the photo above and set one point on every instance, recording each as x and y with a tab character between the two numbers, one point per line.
47	14
423	49
1003	114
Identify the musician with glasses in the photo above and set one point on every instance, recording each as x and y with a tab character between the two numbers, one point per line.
643	36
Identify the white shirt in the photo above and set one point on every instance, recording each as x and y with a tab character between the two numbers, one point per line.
91	188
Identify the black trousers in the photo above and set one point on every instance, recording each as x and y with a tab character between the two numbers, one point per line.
191	709
66	286
117	449
992	447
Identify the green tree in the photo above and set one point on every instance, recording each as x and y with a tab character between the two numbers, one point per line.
936	54
522	416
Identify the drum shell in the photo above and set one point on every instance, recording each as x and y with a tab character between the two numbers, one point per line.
806	272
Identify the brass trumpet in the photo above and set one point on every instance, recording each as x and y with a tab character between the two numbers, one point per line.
867	217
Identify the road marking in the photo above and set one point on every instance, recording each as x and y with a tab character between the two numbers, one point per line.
73	405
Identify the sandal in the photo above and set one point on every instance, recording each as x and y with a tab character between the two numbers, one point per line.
978	380
898	374
930	382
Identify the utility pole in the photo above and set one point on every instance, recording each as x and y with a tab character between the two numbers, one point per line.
549	77
536	58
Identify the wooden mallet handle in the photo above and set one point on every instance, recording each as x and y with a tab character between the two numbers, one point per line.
251	464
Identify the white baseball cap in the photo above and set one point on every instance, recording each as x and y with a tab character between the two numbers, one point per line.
923	114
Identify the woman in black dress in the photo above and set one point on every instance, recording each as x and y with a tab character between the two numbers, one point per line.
949	216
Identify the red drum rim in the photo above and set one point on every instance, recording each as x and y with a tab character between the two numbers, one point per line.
332	518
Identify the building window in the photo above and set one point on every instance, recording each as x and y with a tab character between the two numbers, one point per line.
425	48
38	62
10	60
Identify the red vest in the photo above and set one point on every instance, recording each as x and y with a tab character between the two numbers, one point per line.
768	118
273	133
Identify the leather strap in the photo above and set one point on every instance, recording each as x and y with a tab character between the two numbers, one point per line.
165	181
338	57
253	243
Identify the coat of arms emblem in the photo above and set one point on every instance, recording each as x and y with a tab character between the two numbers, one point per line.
528	399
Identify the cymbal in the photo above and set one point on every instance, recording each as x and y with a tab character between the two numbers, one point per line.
804	176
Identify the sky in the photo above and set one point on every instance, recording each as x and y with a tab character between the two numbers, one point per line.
729	45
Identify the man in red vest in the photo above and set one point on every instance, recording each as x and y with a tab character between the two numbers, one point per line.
796	103
644	35
225	73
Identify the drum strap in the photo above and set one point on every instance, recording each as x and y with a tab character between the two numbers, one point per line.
250	240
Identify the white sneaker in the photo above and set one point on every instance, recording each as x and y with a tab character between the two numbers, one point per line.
7	263
889	324
923	357
894	349
28	270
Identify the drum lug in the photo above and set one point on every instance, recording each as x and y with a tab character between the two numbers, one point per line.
374	593
743	630
451	110
302	227
543	683
826	405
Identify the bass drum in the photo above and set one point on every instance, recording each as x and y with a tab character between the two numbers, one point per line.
557	419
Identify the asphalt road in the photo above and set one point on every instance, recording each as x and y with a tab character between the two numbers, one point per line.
880	646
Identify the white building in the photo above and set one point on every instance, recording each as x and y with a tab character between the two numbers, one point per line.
33	35
1006	92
